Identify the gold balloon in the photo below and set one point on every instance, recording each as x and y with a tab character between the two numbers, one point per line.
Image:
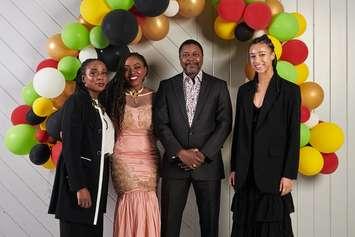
275	6
138	36
191	8
312	94
155	28
56	48
69	89
249	71
82	21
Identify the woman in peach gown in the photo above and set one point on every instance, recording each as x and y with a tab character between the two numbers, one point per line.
135	160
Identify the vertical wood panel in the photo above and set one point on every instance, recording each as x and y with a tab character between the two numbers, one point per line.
338	102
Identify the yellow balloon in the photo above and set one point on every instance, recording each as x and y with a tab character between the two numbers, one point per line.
43	125
311	161
302	73
327	137
277	46
302	23
94	11
224	29
42	107
138	36
49	164
191	8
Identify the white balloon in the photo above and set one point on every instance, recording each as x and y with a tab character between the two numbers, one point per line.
312	121
111	75
173	9
49	82
258	33
87	53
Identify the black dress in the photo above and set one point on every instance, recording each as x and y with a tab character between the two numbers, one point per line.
257	214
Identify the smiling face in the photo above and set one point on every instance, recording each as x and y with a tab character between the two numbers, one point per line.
261	57
95	77
191	59
135	72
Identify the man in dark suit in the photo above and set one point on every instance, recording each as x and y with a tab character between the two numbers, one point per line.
192	119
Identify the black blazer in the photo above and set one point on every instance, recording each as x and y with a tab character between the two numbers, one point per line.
210	127
276	135
79	163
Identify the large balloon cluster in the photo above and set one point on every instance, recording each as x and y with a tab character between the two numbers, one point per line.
244	20
104	30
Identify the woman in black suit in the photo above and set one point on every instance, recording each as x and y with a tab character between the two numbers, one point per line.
80	187
265	149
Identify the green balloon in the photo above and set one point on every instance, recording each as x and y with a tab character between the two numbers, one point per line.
28	94
305	135
286	70
97	38
69	67
20	139
284	26
75	36
214	3
120	4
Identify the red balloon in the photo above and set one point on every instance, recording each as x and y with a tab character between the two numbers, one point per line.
305	114
257	15
330	163
18	115
294	51
42	136
231	10
56	151
47	63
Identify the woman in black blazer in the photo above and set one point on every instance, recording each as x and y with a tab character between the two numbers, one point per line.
265	149
80	187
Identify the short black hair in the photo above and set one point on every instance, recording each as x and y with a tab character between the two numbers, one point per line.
190	41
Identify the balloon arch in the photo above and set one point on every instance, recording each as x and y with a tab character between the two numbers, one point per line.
105	28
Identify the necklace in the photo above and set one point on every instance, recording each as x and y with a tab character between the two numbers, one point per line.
134	93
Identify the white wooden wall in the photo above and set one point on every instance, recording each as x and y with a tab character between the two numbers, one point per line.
325	205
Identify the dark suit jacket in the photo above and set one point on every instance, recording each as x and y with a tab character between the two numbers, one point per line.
210	127
276	135
79	163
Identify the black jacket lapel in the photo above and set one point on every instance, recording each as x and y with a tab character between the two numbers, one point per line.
202	97
270	97
180	97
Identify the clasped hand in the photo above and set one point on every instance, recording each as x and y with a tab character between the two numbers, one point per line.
190	158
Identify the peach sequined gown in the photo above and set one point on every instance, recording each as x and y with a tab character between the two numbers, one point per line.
135	172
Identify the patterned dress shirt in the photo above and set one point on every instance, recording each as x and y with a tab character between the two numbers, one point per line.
191	92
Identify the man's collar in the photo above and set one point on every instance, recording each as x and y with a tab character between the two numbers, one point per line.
198	76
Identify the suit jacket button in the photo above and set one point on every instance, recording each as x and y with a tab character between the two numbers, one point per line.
99	131
98	153
190	133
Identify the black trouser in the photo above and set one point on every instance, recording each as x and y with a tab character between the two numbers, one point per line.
173	200
70	229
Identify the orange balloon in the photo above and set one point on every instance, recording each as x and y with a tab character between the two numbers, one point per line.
312	94
275	6
82	21
249	71
191	8
138	36
155	28
56	48
69	89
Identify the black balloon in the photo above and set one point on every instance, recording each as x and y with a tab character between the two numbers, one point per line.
243	32
33	119
40	154
54	124
111	56
120	27
151	7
